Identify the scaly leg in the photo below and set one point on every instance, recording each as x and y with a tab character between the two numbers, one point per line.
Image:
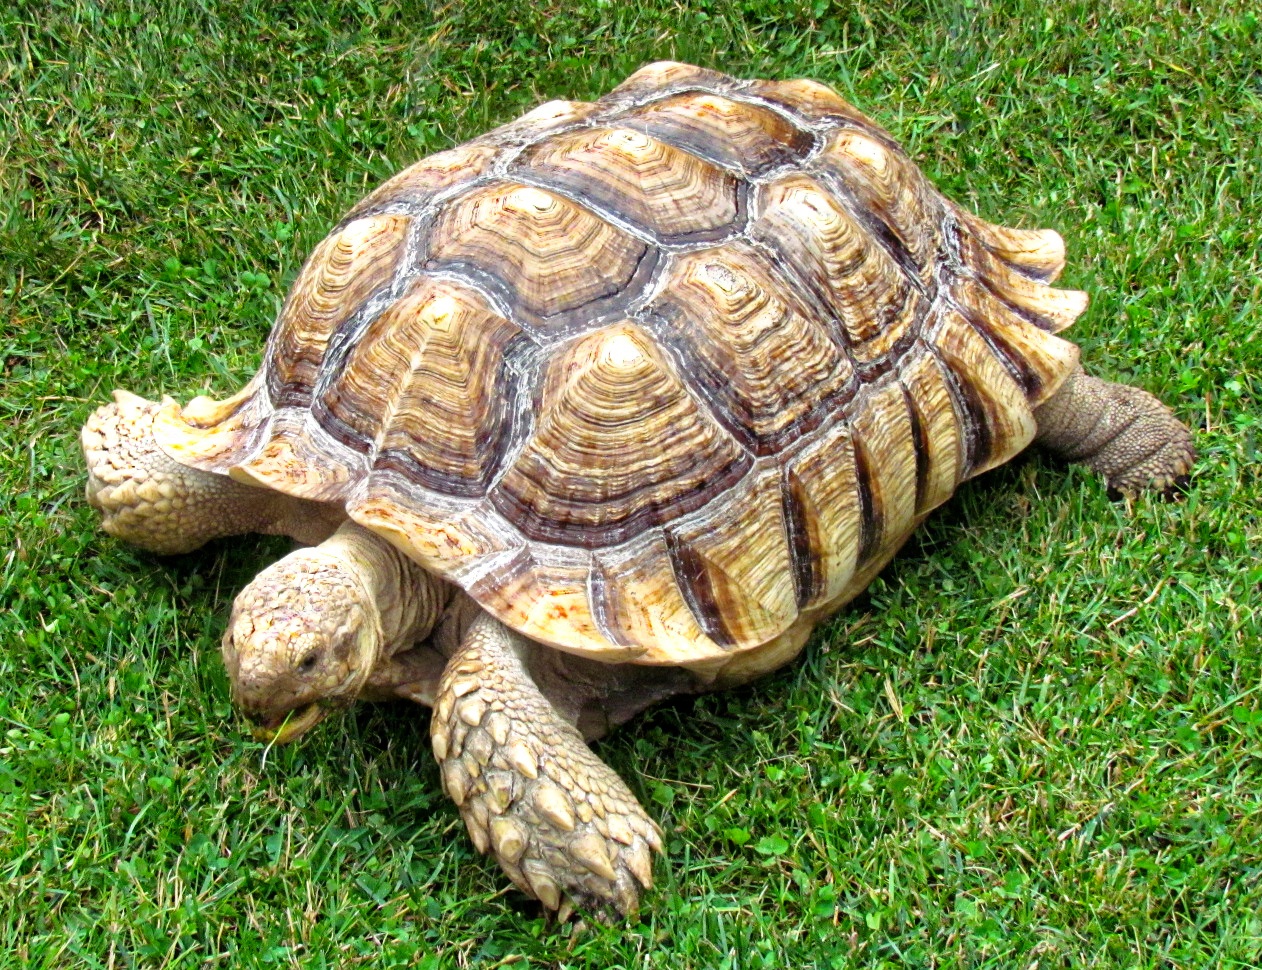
1118	431
149	500
562	824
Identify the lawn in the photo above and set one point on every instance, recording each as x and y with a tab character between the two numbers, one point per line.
1036	742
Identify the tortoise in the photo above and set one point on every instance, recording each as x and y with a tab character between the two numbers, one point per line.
614	403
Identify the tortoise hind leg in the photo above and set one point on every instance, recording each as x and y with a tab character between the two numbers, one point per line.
1118	431
564	827
151	501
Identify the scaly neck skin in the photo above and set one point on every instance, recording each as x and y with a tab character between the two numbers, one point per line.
409	601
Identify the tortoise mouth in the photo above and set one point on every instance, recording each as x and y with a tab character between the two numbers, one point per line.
283	728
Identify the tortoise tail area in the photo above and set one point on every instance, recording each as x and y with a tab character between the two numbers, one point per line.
992	280
979	302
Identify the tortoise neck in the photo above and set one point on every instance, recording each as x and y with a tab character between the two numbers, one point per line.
409	600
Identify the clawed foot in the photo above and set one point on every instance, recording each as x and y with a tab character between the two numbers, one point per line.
1151	451
1120	432
147	498
562	824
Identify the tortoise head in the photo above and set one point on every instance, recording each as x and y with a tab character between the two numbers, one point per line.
303	639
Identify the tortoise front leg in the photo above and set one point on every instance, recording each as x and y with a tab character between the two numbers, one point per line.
1118	431
562	824
151	501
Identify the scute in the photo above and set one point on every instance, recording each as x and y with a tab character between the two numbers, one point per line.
898	204
541	597
664	78
543	254
639	605
663	378
620	445
992	408
636	178
736	325
816	104
1010	285
346	270
423	390
877	307
936	429
417	185
735	135
885	470
825	514
737	574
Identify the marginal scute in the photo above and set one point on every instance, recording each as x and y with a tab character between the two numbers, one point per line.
451	538
215	435
739	326
736	573
1038	253
825	514
547	601
546	254
345	270
878	307
996	287
619	445
417	185
424	389
636	601
298	458
886	469
939	454
992	408
1038	360
738	136
674	195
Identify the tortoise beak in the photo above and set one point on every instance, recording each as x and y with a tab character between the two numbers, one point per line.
290	725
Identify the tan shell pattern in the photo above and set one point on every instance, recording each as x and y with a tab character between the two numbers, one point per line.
664	377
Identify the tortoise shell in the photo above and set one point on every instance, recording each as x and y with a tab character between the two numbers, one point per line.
665	377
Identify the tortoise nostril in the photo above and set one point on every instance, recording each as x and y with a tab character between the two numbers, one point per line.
308	663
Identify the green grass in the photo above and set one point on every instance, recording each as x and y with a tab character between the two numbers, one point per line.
1036	743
